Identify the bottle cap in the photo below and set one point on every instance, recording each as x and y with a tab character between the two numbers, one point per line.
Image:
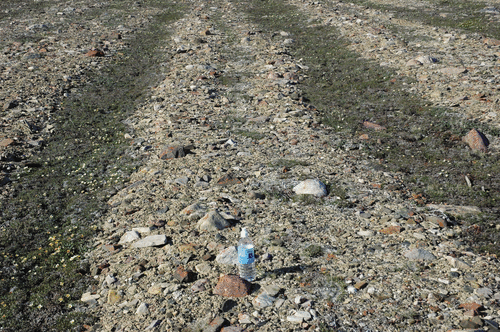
244	232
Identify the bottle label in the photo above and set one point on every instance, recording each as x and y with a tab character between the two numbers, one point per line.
246	256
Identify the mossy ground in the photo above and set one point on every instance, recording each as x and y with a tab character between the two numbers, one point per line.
421	142
48	223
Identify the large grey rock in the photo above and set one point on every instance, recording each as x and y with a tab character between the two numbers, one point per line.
212	221
151	241
311	187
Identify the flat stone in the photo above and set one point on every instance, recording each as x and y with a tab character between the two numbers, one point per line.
195	209
155	289
90	298
366	233
263	300
6	142
151	241
130	236
419	254
95	53
374	126
453	70
200	286
484	292
153	324
295	319
271	290
304	314
391	230
232	329
214	325
456	210
212	221
311	187
142	309
114	296
232	286
228	256
228	180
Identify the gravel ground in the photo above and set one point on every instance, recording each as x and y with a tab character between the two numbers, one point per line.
223	139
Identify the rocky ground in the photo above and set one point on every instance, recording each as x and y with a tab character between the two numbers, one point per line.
223	141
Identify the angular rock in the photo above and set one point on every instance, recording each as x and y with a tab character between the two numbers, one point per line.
90	298
232	329
212	221
419	254
129	237
476	140
114	296
200	286
95	53
142	310
228	256
374	126
151	241
232	286
172	152
215	325
228	180
311	187
263	300
183	275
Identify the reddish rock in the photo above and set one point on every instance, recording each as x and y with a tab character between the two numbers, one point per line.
391	230
182	274
364	136
471	309
491	42
6	142
173	152
294	142
94	53
215	325
371	125
227	180
476	140
232	286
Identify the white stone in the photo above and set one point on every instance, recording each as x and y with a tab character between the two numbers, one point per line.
151	241
311	187
228	256
366	233
130	236
295	319
142	229
90	298
304	314
142	310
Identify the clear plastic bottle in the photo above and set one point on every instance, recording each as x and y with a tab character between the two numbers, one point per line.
246	257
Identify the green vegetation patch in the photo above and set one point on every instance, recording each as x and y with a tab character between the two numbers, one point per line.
471	16
47	223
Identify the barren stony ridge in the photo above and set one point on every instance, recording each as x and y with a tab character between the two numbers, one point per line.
218	155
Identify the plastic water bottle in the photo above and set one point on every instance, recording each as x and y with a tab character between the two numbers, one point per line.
246	257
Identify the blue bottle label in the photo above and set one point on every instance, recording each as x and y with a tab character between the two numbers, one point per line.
246	256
